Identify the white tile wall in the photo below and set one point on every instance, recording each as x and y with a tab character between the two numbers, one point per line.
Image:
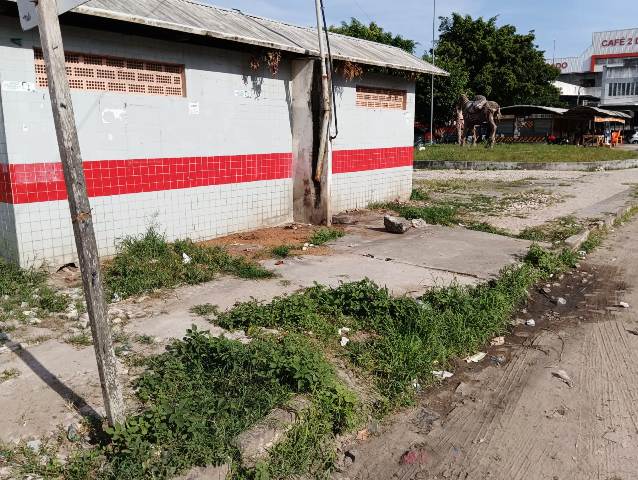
359	189
45	234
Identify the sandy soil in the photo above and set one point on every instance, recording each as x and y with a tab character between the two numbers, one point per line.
257	244
520	420
583	194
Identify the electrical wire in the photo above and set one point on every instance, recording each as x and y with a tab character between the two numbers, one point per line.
331	65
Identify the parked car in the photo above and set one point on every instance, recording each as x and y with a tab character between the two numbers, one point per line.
634	139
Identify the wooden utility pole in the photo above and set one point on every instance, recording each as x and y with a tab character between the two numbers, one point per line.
68	143
325	99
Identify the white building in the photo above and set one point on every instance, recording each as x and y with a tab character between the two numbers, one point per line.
606	74
199	119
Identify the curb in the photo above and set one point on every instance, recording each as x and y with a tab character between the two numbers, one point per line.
551	166
575	241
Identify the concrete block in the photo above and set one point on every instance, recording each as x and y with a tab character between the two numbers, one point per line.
255	444
575	241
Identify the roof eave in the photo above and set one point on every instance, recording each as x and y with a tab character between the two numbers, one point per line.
98	12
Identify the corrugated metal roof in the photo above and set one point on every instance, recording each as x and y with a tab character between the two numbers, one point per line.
234	25
595	111
512	108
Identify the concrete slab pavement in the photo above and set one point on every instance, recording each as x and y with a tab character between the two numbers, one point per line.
56	379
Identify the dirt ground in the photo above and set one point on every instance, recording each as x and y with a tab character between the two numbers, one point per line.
531	198
520	420
259	243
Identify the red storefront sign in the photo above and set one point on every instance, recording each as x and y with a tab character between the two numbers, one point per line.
619	42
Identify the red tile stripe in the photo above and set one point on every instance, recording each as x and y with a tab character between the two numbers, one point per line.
347	161
5	184
43	182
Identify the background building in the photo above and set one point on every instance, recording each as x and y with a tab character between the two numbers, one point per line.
605	75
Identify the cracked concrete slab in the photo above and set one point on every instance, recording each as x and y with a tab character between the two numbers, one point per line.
35	403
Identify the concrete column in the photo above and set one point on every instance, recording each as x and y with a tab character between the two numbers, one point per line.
311	200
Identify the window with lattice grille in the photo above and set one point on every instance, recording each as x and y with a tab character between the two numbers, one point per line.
369	97
109	74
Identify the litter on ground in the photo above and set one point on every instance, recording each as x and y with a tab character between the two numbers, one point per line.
498	341
564	376
476	358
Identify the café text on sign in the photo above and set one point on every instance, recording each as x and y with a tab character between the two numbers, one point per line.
619	42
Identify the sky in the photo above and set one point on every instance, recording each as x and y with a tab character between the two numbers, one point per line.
568	22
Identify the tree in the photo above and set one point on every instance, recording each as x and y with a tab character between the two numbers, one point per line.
374	33
480	57
500	63
447	90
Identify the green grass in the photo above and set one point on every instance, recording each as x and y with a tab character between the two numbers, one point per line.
593	241
434	214
523	153
281	251
148	262
487	228
555	231
196	397
405	338
418	194
325	235
9	374
206	310
80	340
144	339
204	391
27	290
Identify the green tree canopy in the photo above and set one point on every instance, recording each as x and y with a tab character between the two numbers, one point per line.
375	33
481	58
497	62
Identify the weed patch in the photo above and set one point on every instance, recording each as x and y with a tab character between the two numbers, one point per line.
487	228
556	231
204	391
26	290
206	310
325	235
435	214
9	374
80	340
593	241
419	195
149	262
282	251
549	263
404	338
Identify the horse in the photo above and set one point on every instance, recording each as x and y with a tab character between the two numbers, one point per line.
470	114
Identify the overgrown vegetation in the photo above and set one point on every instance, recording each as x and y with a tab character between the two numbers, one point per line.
402	338
204	391
9	374
464	210
555	231
325	235
25	293
434	214
149	262
200	394
282	251
522	153
206	310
